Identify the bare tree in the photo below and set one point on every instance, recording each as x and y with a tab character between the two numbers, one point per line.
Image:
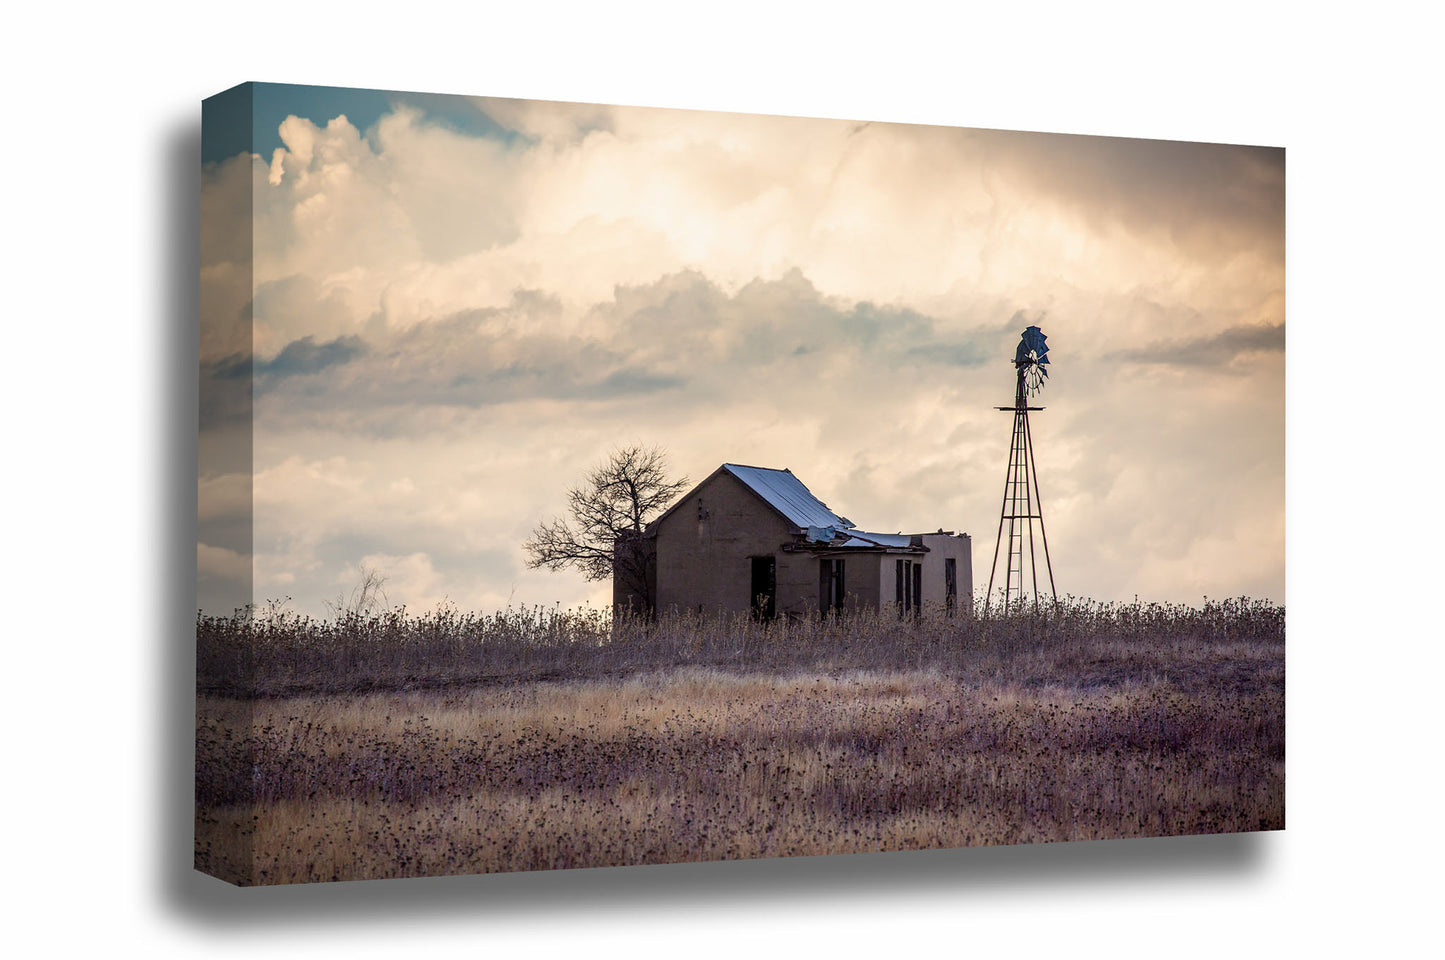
613	505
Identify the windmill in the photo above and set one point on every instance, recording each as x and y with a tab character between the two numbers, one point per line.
1021	502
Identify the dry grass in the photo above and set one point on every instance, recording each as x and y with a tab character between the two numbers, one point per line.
1063	738
281	654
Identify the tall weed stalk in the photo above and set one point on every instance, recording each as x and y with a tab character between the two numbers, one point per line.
275	652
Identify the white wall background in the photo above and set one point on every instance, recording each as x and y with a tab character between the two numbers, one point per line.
101	114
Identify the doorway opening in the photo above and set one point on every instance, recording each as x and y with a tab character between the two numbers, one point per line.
764	591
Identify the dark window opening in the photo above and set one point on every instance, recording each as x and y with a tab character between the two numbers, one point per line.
830	585
908	581
900	579
950	584
764	589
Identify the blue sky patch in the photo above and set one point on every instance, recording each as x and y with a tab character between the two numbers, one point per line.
271	103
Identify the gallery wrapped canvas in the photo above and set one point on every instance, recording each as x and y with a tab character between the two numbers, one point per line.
589	485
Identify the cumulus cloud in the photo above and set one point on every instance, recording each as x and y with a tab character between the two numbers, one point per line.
682	340
452	322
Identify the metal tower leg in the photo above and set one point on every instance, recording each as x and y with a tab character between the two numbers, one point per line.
1022	505
1043	534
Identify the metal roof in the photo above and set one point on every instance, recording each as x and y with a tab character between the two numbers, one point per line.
859	538
786	494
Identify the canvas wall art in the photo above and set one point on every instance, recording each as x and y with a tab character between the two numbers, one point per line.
588	485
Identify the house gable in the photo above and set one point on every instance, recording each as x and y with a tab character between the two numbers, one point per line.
778	490
787	495
706	542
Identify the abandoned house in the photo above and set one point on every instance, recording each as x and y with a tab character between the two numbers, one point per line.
753	538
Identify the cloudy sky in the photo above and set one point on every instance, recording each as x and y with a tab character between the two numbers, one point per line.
456	306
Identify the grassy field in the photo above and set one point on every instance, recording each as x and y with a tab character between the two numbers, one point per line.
588	743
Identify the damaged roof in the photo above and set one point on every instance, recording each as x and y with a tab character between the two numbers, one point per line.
786	494
859	538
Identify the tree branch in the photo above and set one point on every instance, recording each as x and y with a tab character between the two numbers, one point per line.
616	501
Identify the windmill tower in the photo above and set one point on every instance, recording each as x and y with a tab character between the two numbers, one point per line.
1022	505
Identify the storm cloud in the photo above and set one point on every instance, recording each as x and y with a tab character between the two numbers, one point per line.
682	341
1217	350
445	323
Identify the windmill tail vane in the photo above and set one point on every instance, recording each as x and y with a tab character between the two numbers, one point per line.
1022	505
